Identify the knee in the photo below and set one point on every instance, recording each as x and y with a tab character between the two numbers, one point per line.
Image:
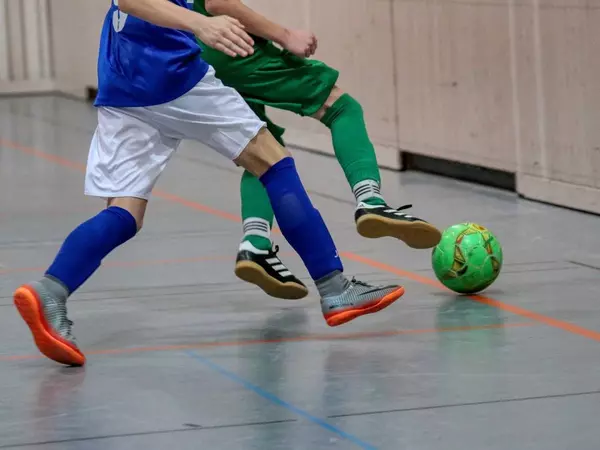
262	153
136	208
139	221
338	103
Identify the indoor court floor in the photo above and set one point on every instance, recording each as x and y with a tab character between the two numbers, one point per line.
182	355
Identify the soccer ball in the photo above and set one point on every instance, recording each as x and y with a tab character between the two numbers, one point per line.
468	258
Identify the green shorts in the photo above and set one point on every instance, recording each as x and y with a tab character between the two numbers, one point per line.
276	78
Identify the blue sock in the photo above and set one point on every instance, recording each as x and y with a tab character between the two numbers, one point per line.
300	223
87	245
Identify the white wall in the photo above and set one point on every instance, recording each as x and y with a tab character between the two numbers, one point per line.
506	84
48	45
25	49
76	26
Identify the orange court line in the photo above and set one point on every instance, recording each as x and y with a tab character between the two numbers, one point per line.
519	311
305	338
197	206
541	318
43	155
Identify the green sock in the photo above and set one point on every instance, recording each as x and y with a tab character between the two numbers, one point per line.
354	149
257	214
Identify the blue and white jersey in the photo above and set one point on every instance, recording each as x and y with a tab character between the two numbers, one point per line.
141	64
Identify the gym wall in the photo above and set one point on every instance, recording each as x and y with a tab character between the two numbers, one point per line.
510	87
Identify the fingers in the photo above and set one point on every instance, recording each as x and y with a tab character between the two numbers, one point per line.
239	29
223	49
243	37
236	43
234	21
232	40
237	39
312	46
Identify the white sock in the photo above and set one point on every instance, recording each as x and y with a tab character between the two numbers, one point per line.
255	226
366	189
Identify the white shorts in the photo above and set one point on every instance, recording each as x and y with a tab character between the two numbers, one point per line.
132	146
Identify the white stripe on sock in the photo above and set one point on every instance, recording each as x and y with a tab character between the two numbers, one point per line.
366	189
255	226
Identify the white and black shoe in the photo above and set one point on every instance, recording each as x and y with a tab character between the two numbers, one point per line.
264	269
375	221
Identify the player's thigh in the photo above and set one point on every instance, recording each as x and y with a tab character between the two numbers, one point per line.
126	158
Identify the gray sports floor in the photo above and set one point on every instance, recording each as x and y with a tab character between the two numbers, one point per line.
182	355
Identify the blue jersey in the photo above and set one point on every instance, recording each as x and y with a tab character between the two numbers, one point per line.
140	64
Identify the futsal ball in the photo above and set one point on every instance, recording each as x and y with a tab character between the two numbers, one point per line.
468	258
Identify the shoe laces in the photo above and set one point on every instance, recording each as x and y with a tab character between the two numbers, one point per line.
65	326
275	249
359	283
404	207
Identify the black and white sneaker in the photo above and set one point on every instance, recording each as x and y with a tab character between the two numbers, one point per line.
264	269
375	221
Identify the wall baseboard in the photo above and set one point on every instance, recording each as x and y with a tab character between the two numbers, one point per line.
558	193
27	87
459	170
91	93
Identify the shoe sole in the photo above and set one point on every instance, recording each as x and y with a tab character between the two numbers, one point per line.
334	320
418	234
54	347
254	274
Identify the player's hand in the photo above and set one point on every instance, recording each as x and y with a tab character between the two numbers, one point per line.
301	43
225	34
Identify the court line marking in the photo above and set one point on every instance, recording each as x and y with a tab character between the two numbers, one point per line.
131	264
6	270
301	338
488	301
279	401
523	312
138	263
185	429
467	404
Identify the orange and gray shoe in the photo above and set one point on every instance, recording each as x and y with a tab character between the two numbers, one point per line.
375	221
46	316
356	300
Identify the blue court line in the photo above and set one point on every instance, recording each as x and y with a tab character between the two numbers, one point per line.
277	401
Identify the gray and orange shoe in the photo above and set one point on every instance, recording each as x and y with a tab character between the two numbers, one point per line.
375	221
358	299
45	313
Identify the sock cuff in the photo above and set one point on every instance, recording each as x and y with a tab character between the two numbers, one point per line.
257	226
342	104
366	189
129	222
286	163
87	245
